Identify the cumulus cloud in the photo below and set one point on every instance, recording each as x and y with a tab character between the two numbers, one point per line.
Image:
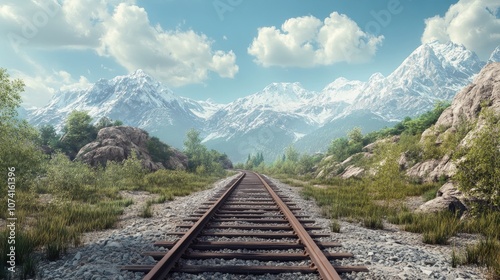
40	87
178	57
472	23
308	41
117	29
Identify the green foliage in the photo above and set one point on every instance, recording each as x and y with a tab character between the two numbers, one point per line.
388	181
479	172
254	160
107	122
146	211
78	131
48	136
18	140
412	126
486	253
342	148
159	151
200	160
291	154
10	97
334	226
66	177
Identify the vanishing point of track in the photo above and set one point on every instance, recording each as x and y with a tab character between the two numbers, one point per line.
250	207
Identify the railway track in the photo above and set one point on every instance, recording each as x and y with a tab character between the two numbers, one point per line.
248	220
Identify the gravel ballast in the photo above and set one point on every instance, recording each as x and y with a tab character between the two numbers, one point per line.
388	254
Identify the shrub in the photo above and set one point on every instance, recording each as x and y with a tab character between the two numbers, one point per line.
479	172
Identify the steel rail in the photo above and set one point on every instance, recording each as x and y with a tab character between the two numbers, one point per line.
321	263
163	267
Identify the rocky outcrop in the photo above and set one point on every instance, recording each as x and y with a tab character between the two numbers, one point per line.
467	104
433	170
484	92
117	143
352	172
448	198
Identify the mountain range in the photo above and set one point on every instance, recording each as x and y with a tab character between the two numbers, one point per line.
281	114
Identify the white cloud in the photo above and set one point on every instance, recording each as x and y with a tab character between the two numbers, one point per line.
40	87
177	57
473	23
117	29
307	41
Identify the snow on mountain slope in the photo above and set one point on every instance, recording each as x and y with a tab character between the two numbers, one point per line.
282	113
431	73
341	89
136	99
495	55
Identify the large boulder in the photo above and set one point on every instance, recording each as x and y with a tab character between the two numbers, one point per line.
352	172
448	198
117	143
433	170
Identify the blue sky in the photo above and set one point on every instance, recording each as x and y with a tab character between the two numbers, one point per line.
225	49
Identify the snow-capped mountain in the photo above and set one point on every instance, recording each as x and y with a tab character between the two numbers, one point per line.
495	55
433	72
136	99
266	121
282	113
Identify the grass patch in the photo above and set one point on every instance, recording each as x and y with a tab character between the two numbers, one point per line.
485	253
146	211
87	199
334	226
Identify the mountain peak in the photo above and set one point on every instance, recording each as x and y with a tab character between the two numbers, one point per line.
139	73
283	86
495	55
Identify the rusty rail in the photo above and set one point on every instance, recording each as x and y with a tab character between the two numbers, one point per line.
250	200
163	267
321	263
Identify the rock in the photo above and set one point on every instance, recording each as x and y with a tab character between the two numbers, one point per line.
78	256
113	244
467	103
117	143
433	170
403	162
466	107
448	198
352	172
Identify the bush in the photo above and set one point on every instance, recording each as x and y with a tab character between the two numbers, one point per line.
479	173
66	177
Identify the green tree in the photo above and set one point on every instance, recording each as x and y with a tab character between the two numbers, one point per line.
291	154
479	172
48	136
78	131
18	140
10	97
355	135
194	150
